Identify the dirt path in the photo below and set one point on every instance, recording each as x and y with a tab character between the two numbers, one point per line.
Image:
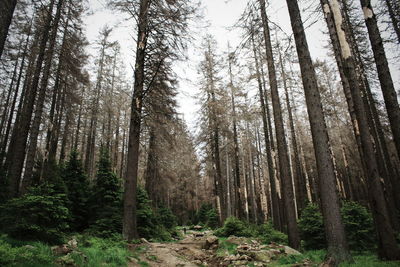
185	253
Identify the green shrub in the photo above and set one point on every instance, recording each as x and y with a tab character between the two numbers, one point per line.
41	214
357	222
232	226
358	225
32	254
267	234
101	252
106	200
212	219
78	192
166	218
312	227
149	225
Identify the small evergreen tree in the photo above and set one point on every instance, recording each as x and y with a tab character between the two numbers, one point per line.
106	201
78	191
312	227
41	214
357	221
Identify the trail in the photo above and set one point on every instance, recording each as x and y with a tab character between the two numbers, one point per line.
187	252
204	249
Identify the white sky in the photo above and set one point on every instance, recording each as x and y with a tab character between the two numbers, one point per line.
220	15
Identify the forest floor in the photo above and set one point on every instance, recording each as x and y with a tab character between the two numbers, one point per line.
204	249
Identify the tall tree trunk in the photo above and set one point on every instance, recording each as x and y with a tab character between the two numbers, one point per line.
394	18
129	220
14	101
8	98
16	153
152	176
268	146
284	167
301	190
385	78
238	206
35	127
334	230
7	8
387	244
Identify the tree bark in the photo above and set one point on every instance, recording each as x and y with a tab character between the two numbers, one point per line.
275	210
16	153
7	8
238	205
394	19
34	131
385	78
334	230
387	246
284	166
301	190
129	230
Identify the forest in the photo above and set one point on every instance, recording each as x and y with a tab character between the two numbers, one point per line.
291	157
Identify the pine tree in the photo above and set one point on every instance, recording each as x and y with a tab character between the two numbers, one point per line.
106	205
78	191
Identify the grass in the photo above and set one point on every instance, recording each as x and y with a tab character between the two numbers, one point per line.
99	252
368	259
19	253
315	256
91	252
226	248
365	259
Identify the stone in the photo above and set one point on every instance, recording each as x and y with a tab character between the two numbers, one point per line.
236	240
291	251
197	227
259	255
73	243
66	260
29	247
61	250
144	240
198	234
211	242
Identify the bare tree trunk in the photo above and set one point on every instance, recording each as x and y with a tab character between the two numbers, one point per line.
7	8
387	244
334	230
385	78
268	146
14	101
8	98
301	190
394	19
284	167
129	220
35	127
16	153
238	206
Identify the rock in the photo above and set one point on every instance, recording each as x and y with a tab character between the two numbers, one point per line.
291	251
61	250
197	227
211	242
73	243
29	247
66	261
244	257
198	234
144	240
236	240
260	255
243	247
